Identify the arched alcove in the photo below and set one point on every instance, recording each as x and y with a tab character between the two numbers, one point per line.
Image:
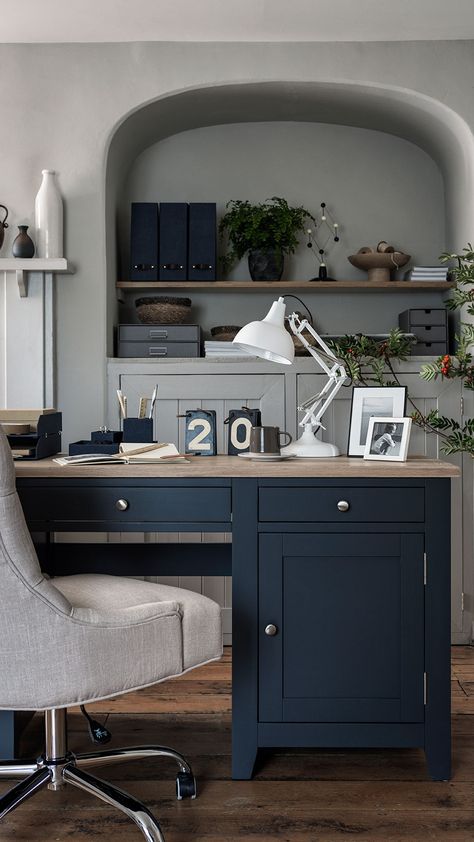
422	121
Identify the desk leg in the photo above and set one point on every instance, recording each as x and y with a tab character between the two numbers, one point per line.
7	734
438	630
244	628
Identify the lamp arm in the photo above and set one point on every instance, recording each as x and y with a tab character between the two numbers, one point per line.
318	404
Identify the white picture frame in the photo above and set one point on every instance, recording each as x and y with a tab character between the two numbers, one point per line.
369	401
388	439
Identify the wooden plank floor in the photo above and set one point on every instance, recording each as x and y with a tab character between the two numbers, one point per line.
305	795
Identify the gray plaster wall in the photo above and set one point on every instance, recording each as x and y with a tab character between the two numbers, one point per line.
60	106
377	186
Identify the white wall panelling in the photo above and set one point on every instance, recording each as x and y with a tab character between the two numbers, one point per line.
27	376
28	331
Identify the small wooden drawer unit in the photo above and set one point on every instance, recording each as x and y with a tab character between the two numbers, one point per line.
342	505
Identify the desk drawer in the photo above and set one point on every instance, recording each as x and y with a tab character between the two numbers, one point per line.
158	349
383	505
172	505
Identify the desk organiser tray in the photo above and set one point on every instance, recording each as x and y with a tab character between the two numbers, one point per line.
43	438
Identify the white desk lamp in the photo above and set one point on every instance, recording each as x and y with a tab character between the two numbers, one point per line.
270	340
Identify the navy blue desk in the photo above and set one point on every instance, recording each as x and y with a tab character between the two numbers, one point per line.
341	617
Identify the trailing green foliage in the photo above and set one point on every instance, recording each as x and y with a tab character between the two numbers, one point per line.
369	361
269	225
457	437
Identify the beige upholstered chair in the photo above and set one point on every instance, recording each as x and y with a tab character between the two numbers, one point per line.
74	639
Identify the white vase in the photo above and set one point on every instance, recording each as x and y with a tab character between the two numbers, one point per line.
49	217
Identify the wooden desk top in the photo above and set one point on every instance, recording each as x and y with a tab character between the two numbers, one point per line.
233	466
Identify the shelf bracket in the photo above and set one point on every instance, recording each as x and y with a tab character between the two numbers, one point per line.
22	281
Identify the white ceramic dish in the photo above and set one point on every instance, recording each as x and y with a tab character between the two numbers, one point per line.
266	457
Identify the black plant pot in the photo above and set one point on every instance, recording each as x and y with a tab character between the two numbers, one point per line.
265	265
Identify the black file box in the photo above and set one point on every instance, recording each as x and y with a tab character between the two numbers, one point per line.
138	430
144	241
202	242
173	241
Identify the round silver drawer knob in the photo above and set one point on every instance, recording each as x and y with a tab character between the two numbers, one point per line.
343	506
271	630
122	505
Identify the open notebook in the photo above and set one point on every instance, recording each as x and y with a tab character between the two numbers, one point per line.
134	454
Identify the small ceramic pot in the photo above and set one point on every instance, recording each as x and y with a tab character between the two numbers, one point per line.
23	245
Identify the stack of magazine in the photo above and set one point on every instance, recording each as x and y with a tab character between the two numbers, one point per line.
223	349
427	273
133	454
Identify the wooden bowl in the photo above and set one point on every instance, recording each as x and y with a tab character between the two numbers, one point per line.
379	265
164	310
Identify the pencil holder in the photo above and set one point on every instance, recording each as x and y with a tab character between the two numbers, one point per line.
138	430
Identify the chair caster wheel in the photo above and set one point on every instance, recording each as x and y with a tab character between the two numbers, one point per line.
185	786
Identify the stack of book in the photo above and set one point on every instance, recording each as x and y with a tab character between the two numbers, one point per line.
427	273
223	349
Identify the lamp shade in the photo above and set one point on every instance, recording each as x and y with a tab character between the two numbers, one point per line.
268	338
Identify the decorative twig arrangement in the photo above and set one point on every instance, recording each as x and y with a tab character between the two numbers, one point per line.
326	229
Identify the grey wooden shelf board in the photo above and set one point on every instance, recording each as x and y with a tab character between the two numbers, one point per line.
268	286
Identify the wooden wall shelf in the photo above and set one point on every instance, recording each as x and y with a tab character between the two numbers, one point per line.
309	286
22	266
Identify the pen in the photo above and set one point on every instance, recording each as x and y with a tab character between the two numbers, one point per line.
153	400
122	403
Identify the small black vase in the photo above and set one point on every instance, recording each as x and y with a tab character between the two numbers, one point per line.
265	264
23	245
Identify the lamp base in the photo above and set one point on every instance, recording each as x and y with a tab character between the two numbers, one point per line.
309	447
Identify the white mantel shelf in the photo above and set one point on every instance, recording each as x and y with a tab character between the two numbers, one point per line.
21	267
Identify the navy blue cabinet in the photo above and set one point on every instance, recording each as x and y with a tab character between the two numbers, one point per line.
341	600
349	616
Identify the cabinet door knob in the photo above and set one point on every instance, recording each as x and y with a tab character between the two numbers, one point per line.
343	506
271	630
122	505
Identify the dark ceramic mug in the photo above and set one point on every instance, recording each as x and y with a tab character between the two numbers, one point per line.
266	439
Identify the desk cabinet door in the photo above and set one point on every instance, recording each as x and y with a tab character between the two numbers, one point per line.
316	668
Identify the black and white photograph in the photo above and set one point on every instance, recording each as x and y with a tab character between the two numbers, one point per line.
388	439
367	403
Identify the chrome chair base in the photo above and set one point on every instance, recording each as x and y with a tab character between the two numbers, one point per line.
58	767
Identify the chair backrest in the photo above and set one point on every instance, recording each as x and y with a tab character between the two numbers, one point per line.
24	591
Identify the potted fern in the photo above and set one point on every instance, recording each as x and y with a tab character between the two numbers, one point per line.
265	232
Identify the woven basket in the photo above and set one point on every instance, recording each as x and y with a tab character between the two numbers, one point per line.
163	310
224	333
